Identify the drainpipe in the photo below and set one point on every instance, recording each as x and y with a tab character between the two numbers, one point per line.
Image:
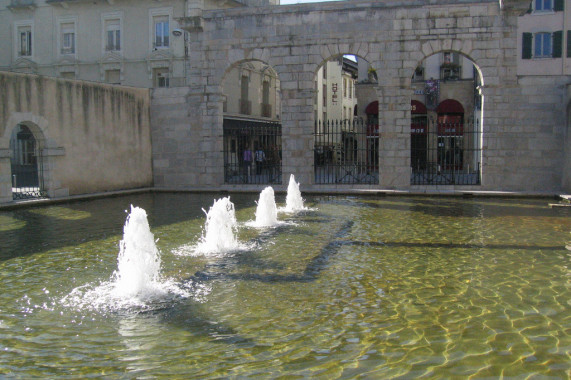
564	42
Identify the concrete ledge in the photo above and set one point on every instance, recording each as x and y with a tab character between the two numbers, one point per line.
49	201
282	189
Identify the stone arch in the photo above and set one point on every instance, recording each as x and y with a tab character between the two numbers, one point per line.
251	68
448	148
37	124
251	123
433	47
346	138
27	143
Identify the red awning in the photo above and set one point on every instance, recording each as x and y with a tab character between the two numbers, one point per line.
417	107
372	108
450	106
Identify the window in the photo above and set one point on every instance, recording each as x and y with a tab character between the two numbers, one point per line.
543	5
542	45
161	77
67	36
548	5
161	32
68	75
113	76
266	106
113	35
344	87
245	103
350	89
25	41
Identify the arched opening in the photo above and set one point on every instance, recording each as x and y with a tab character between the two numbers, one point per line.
446	130
252	127
345	135
26	163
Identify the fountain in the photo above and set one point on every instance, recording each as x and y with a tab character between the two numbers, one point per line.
266	212
219	234
348	291
136	283
139	261
294	201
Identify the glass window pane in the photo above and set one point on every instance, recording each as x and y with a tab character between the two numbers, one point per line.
546	44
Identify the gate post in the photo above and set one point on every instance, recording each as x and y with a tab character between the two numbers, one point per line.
5	176
394	144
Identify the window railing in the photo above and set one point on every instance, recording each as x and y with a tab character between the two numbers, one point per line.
245	107
450	71
266	110
22	4
114	47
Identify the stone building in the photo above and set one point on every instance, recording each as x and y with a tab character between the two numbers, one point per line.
135	43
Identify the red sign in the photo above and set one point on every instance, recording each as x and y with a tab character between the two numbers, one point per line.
450	129
334	91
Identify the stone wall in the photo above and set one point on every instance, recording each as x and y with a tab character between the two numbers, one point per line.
524	119
95	137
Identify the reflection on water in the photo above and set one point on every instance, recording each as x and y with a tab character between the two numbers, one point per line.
372	287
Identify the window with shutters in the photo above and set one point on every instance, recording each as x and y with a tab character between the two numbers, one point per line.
542	45
548	5
543	5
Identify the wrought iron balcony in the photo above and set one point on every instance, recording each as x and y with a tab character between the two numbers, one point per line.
16	4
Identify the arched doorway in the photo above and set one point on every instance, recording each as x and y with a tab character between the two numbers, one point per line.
26	163
345	135
252	127
446	121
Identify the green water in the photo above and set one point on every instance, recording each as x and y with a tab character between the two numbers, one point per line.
353	288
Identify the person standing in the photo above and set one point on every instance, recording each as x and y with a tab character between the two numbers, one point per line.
260	157
247	158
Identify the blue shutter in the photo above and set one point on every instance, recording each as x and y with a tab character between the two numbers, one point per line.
526	46
557	44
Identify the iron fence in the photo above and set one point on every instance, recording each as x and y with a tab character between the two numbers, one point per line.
449	154
346	152
252	152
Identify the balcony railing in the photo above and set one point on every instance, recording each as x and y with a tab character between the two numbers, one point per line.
22	4
266	110
245	107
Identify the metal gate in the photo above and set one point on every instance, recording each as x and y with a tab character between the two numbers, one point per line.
450	154
346	152
27	165
252	152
